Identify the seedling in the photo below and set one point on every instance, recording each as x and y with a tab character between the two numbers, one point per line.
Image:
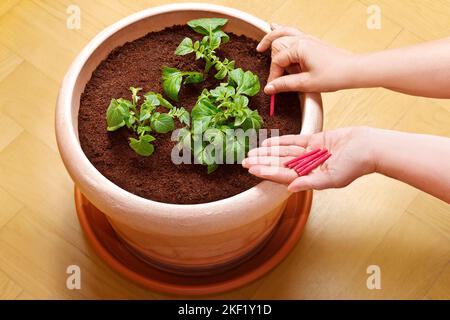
225	107
144	119
213	36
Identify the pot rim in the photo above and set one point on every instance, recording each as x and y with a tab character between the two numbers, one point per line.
70	148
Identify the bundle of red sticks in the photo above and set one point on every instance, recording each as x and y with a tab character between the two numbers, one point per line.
308	161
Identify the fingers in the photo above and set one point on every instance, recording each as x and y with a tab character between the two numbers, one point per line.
265	161
292	68
273	173
316	180
283	56
290	82
275	72
278	31
287	140
270	168
277	151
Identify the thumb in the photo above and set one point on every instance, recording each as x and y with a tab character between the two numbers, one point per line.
291	82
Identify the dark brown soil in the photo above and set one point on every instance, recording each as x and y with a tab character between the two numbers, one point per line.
138	64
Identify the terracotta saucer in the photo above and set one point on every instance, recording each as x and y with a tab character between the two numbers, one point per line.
117	255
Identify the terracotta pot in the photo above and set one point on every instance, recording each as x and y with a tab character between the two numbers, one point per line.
184	238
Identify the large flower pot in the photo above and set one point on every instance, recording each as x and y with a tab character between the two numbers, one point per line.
183	238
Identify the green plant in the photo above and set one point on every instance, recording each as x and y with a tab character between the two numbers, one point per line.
213	36
144	119
220	110
223	108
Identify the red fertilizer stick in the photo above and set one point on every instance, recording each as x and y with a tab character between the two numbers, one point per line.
310	159
302	166
272	105
314	165
303	156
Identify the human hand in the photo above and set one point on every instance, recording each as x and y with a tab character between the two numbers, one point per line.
352	157
314	66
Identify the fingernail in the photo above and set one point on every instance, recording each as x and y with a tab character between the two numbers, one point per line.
269	89
244	162
258	47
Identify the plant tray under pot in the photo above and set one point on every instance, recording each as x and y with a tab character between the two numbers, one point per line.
112	249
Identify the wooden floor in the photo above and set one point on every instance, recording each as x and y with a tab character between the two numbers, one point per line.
374	221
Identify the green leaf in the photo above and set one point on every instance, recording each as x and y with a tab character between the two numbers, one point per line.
253	121
125	104
238	120
192	77
164	102
115	115
208	154
148	138
246	82
196	45
130	120
126	108
162	122
203	112
184	117
225	38
209	63
184	138
215	40
203	108
147	109
183	133
237	77
181	113
240	102
184	47
239	148
198	55
223	68
143	147
222	73
214	136
206	25
149	105
212	167
219	92
152	98
143	129
204	95
172	79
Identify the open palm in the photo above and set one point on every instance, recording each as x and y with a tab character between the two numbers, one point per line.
351	158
